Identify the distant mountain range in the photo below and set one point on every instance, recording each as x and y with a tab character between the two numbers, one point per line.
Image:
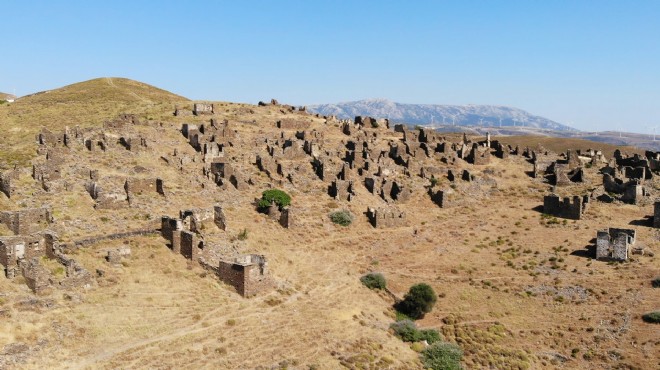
430	114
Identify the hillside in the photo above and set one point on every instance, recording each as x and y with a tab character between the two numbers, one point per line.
126	267
5	96
425	114
85	104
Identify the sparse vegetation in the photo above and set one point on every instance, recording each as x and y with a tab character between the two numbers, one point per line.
374	280
442	356
343	218
243	235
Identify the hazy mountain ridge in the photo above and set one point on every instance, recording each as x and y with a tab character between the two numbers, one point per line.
425	114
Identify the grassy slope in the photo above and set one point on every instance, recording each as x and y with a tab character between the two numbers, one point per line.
85	104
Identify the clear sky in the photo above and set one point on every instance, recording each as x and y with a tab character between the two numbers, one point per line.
594	65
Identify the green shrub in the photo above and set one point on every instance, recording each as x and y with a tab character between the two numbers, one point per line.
429	335
374	280
280	198
656	282
418	301
434	182
652	317
406	330
442	356
343	218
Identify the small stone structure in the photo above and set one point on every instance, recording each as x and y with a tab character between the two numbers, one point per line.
202	108
656	214
27	221
553	205
248	274
386	217
437	196
614	244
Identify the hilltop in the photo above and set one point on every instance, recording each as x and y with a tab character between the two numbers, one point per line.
84	104
425	114
134	225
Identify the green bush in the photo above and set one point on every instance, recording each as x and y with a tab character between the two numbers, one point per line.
656	282
442	356
434	182
280	198
429	335
652	317
418	301
343	218
374	280
407	331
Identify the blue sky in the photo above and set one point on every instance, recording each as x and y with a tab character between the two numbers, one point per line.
592	64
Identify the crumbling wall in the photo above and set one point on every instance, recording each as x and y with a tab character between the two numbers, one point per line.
341	190
27	221
287	219
136	186
6	183
386	217
437	196
553	205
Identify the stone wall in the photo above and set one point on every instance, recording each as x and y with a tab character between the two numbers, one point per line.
27	221
6	183
553	205
135	186
386	217
437	196
202	108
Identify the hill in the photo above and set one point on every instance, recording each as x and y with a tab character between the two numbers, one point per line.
152	218
425	114
85	104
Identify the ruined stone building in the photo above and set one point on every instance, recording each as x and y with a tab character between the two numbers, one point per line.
565	208
614	244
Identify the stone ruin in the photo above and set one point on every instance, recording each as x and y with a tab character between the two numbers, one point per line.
6	179
22	253
656	214
248	274
437	197
284	216
566	208
386	217
27	221
186	236
614	244
342	190
630	191
202	109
